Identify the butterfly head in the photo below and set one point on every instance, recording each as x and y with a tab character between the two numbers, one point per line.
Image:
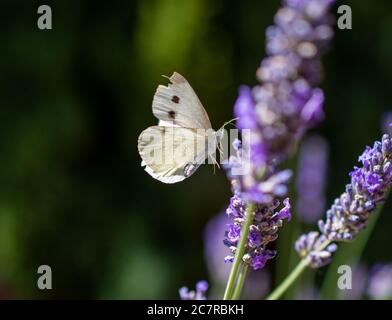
220	135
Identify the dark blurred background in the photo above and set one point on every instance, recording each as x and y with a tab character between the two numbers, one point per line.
74	99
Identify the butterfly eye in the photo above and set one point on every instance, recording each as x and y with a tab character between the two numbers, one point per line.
189	169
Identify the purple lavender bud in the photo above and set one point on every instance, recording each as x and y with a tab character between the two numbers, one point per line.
285	212
312	172
233	235
260	259
312	112
229	259
332	247
254	237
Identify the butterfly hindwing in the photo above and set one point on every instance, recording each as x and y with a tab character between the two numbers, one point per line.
172	154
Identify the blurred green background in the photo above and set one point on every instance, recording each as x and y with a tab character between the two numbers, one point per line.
74	99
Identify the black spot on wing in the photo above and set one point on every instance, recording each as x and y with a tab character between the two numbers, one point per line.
175	99
172	114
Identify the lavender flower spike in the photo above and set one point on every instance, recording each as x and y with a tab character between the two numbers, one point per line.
306	244
276	113
264	229
350	212
287	102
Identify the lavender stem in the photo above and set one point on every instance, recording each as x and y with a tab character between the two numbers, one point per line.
239	252
293	276
240	282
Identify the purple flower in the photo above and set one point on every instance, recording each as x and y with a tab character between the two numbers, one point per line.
264	229
234	233
199	294
285	212
350	212
254	238
312	171
260	259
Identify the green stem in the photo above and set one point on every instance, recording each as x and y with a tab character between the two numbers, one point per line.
293	256
240	282
290	279
239	252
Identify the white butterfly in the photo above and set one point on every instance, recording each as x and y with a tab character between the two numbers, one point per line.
174	149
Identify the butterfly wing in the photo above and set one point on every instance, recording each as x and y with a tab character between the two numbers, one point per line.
172	154
178	104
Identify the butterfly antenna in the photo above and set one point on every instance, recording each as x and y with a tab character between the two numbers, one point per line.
229	122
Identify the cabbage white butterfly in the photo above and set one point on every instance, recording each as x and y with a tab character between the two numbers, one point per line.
174	149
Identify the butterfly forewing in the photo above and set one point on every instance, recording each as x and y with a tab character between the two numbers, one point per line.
178	103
